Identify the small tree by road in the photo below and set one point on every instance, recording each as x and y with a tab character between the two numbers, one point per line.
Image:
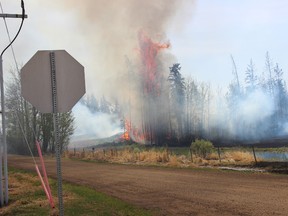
201	148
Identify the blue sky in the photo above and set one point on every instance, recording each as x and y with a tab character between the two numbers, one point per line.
202	42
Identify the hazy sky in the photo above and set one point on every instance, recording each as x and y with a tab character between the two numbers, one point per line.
202	40
246	29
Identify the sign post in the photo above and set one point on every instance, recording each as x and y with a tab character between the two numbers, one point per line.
53	82
56	131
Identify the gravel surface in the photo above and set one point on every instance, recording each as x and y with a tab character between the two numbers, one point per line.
174	191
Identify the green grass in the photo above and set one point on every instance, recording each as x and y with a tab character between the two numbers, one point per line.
28	198
90	202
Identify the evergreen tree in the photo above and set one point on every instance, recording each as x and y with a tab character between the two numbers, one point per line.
251	77
269	68
280	97
177	96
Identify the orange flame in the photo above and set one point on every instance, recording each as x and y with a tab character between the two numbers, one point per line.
127	128
132	133
148	52
151	81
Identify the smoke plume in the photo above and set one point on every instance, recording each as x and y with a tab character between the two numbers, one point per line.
127	43
111	32
94	125
131	57
118	34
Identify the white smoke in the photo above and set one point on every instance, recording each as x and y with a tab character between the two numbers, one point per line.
94	125
255	107
111	36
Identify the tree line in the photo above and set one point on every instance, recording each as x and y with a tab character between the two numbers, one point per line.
175	111
25	123
182	109
251	110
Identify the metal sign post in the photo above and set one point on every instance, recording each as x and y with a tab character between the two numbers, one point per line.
56	131
53	82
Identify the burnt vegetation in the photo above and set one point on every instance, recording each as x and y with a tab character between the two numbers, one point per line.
162	107
176	110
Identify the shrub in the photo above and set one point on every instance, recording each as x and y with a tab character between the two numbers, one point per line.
201	147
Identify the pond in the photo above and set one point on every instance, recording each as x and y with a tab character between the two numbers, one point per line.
272	156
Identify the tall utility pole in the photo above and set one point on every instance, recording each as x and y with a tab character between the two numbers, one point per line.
3	148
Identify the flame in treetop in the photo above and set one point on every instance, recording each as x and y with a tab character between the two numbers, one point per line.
148	53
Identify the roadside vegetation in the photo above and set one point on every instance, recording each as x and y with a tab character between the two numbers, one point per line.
200	153
26	197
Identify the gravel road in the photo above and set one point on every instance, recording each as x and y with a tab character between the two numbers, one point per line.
173	191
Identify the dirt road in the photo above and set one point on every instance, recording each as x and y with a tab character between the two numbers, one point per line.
177	191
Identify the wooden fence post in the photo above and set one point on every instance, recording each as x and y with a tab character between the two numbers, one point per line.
191	154
254	154
219	155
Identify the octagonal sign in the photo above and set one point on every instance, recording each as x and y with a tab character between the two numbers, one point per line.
36	84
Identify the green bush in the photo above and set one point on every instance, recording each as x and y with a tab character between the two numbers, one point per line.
201	148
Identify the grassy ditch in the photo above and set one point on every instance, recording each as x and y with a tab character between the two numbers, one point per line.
183	156
26	197
179	157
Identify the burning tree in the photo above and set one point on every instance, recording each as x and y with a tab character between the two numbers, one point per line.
162	108
152	120
153	90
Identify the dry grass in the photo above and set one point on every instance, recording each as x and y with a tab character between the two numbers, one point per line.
126	155
234	157
23	186
163	157
213	156
240	156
